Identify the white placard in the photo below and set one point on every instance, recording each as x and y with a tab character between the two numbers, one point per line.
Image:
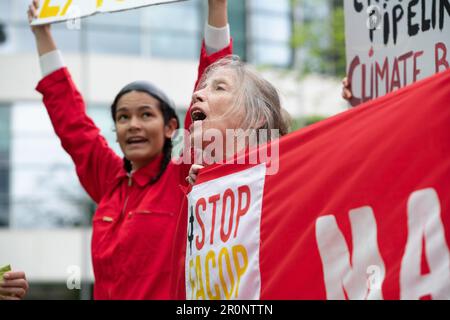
391	44
223	237
51	11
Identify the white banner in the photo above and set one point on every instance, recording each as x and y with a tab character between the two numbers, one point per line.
51	11
395	43
223	243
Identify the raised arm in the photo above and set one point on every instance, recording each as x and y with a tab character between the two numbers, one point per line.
217	42
42	34
95	162
217	13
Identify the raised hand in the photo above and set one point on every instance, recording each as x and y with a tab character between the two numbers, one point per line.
14	286
217	13
33	14
346	89
193	173
42	33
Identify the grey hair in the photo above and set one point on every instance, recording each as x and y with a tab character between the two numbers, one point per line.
256	96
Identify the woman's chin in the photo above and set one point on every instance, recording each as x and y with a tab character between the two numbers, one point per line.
140	156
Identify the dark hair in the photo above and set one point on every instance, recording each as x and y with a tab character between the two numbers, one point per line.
167	108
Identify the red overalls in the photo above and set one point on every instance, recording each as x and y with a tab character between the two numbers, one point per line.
135	221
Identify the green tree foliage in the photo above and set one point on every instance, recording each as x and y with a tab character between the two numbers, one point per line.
320	36
299	123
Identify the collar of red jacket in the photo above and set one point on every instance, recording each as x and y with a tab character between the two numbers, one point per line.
144	175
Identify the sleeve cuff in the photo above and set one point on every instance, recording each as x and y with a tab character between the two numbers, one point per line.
50	62
216	38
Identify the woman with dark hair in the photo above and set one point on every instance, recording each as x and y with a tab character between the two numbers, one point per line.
138	196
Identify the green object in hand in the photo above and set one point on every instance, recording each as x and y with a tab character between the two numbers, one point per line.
4	269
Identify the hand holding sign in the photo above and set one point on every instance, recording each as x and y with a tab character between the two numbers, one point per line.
52	11
3	270
33	15
42	33
13	285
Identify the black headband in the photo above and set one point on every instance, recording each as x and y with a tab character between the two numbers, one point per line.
147	87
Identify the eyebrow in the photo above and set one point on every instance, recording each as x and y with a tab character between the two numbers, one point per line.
139	109
220	81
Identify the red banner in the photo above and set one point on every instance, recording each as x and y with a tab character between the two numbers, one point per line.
359	209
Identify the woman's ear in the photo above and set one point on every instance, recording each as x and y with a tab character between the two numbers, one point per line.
114	129
170	128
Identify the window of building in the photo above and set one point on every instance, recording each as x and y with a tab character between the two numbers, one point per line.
58	291
276	7
106	41
270	32
237	18
38	175
44	189
261	29
101	115
174	30
5	9
4	20
4	164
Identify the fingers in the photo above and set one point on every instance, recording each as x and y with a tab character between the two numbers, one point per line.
12	292
189	180
346	94
32	13
193	173
13	275
195	168
2	297
33	10
18	283
345	82
346	89
13	285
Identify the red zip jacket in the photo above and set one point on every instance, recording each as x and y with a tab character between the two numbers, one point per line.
134	224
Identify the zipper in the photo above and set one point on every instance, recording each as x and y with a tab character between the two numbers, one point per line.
130	183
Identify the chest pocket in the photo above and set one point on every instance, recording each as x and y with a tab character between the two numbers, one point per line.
146	241
102	229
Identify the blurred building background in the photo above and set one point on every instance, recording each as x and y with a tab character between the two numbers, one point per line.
44	213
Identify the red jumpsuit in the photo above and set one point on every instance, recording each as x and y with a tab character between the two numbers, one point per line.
134	224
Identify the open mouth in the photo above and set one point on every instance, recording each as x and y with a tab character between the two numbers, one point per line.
198	115
136	140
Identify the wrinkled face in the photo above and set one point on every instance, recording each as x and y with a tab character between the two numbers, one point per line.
140	128
212	101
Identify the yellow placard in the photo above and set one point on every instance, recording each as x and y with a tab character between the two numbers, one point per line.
51	11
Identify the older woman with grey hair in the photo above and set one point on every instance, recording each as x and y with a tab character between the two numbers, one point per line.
233	96
230	96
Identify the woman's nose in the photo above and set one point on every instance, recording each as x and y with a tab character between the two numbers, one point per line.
135	123
198	96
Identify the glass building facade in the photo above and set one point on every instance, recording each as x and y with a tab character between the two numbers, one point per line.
38	184
261	30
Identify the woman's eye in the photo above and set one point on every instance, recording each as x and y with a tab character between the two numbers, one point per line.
122	117
220	88
146	115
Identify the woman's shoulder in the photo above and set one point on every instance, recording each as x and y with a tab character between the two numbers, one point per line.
178	169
